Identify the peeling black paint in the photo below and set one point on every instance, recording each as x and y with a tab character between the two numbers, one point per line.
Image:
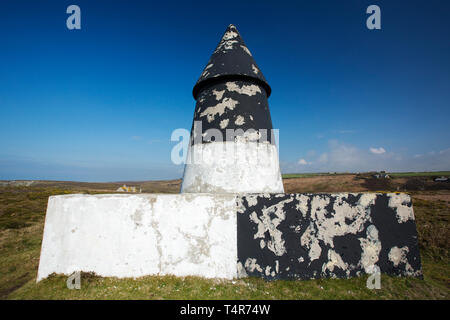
295	262
232	84
226	64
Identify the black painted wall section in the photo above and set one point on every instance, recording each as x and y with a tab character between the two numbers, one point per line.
305	236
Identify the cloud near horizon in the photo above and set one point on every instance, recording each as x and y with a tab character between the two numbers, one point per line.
342	157
303	162
379	150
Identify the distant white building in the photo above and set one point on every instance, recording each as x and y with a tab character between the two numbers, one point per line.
125	188
381	175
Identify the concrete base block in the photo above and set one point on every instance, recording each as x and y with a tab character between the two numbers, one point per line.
275	236
118	235
305	236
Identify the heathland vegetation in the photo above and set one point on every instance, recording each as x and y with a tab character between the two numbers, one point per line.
22	214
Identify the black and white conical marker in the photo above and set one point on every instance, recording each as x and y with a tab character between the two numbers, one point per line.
232	147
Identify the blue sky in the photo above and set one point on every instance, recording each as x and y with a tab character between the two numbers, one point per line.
100	103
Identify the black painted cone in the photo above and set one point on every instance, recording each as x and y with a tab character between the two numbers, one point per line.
231	59
232	147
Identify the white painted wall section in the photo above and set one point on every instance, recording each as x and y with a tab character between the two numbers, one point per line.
232	167
119	235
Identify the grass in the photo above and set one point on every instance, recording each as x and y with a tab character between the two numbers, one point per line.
308	175
170	287
22	213
420	174
392	174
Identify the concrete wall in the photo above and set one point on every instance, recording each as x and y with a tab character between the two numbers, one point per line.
275	236
136	235
232	167
304	236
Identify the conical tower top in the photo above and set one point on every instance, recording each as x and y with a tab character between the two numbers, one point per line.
231	60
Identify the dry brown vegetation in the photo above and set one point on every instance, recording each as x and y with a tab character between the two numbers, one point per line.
22	213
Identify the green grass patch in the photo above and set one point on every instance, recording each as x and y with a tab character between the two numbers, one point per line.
419	174
392	174
308	175
169	287
22	213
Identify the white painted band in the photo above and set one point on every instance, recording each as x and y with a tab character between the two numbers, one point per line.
232	167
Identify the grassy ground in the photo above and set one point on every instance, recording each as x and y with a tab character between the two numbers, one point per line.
306	175
392	174
22	213
420	174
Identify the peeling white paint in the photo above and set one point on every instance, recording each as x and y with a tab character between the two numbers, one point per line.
398	202
218	94
334	261
229	35
310	241
226	45
262	244
252	200
224	123
371	247
239	120
247	89
268	225
255	69
246	50
251	265
330	227
219	109
302	205
241	273
398	255
325	226
249	135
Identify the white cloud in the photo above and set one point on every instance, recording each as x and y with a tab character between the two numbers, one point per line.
379	150
342	157
303	162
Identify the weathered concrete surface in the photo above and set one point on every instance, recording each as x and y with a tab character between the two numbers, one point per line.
232	167
137	235
303	236
275	236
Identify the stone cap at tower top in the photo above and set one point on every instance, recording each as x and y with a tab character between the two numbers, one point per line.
231	60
